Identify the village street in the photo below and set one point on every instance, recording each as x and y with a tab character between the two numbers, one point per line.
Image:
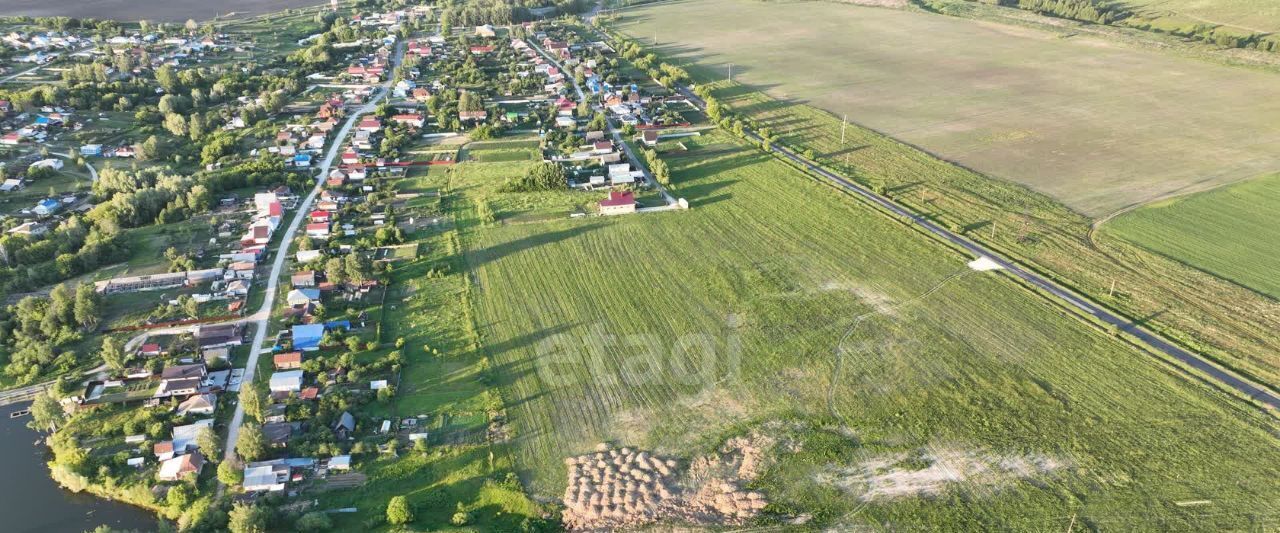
263	315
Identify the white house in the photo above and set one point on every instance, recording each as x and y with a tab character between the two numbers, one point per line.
289	381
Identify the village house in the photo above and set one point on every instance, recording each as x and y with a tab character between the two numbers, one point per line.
265	477
151	350
199	404
303	279
618	203
181	380
298	297
345	426
318	230
215	336
184	437
288	360
31	229
307	337
277	433
237	287
240	270
286	382
163	450
470	116
181	467
411	119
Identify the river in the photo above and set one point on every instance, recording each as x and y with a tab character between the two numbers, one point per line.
30	501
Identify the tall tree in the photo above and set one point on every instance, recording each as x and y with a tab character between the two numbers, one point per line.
247	518
207	441
252	443
87	306
46	412
112	355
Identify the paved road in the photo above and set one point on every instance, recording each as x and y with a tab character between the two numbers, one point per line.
613	131
1209	369
263	315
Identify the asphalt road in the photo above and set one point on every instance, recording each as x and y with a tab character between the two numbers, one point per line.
1208	369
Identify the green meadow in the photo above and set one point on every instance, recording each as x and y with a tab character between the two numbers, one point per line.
672	331
1232	232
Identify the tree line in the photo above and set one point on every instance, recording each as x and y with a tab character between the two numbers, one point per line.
1117	13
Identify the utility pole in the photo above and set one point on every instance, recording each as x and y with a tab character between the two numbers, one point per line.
1072	525
843	122
730	72
993	230
1112	292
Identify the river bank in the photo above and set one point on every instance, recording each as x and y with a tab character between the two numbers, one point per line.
31	501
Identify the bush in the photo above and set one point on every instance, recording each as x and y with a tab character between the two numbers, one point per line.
398	511
313	521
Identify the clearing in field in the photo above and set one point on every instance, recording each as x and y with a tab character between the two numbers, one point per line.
1232	232
1091	123
672	332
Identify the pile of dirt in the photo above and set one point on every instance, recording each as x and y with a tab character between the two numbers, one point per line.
624	487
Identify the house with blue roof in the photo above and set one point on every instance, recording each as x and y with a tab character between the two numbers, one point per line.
47	207
306	337
302	160
91	149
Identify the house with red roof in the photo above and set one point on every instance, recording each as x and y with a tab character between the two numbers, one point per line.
151	349
370	125
411	119
320	216
287	361
319	230
618	203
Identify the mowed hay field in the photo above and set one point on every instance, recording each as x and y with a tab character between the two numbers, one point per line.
1096	125
1232	232
673	331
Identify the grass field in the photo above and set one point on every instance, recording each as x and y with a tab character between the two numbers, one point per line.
596	327
444	383
1094	124
1203	312
1231	232
1260	16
